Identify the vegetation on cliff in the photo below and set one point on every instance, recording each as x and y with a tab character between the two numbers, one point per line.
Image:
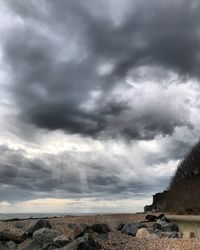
183	194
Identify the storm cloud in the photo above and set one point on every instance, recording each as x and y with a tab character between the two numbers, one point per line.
68	61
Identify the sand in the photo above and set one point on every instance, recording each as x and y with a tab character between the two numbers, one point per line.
116	240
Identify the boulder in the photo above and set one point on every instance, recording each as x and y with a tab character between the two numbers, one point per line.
45	235
162	217
10	245
42	239
61	241
162	223
170	235
41	223
144	233
80	230
169	227
16	236
131	228
151	218
85	242
100	228
164	226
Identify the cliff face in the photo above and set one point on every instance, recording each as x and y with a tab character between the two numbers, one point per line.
183	196
159	202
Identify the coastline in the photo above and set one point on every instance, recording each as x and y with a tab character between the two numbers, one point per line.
114	240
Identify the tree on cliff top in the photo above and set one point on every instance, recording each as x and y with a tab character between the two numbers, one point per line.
188	168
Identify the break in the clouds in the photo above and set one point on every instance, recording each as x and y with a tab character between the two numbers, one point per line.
77	74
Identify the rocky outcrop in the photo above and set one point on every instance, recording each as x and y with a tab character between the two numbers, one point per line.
159	202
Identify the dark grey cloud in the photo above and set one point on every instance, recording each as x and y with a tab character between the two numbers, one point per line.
63	176
54	56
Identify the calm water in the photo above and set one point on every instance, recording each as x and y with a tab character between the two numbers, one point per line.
4	216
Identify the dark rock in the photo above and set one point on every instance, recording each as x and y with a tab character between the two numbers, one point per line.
100	228
7	235
162	223
45	235
43	239
38	225
131	228
170	227
85	242
171	235
156	226
151	218
119	227
61	241
80	230
10	245
160	216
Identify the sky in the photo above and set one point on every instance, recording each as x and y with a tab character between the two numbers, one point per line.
99	101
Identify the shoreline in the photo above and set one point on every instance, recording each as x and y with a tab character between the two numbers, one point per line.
114	240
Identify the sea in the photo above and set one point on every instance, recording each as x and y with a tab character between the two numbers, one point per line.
9	216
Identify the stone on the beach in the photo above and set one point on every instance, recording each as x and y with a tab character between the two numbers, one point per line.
156	226
16	236
131	228
171	235
164	226
169	227
162	217
80	230
45	235
10	245
61	241
144	233
151	218
42	239
41	223
161	222
100	228
85	242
